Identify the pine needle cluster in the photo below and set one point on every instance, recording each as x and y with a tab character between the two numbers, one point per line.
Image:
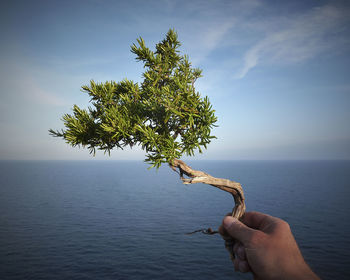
164	114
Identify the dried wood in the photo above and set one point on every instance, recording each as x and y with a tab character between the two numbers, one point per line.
234	188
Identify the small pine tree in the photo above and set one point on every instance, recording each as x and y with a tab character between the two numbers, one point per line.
164	115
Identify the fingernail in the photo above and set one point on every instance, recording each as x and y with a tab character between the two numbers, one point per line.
229	221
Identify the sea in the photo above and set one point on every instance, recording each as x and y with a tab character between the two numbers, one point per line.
119	220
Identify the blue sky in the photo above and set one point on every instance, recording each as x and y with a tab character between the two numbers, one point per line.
277	72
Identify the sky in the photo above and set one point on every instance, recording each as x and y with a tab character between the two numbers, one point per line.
276	72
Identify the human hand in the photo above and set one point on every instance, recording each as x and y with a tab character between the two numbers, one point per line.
265	246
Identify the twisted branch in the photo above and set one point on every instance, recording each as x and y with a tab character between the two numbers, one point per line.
232	187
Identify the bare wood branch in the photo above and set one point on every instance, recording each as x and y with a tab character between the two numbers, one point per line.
196	176
232	187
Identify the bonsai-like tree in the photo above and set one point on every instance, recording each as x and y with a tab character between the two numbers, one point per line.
164	115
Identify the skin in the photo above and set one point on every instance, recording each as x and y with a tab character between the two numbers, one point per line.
265	246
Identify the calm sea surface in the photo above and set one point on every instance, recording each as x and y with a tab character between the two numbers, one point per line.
118	220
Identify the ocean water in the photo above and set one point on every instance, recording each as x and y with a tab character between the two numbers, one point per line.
118	220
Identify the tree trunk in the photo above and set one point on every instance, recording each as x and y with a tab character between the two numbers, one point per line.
232	187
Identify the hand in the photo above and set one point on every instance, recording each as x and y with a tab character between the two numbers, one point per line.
265	246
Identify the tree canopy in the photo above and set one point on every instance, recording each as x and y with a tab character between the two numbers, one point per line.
163	114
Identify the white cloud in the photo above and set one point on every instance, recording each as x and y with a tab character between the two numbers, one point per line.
303	37
204	26
209	39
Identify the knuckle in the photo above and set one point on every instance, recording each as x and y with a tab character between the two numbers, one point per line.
283	225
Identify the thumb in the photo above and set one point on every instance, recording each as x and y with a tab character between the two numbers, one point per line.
238	230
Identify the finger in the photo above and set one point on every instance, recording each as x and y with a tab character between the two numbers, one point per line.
238	230
229	247
257	220
236	264
224	234
243	266
240	253
235	247
223	231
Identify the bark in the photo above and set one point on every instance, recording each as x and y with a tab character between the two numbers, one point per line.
232	187
196	176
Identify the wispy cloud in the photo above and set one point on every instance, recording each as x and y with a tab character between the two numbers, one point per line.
206	25
208	39
22	83
34	92
302	38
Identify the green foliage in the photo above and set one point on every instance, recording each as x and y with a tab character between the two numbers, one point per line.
164	114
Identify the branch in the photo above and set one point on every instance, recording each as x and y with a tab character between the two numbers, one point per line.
196	176
232	187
